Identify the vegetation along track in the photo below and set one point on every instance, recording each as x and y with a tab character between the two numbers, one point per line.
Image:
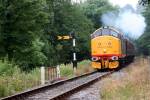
59	89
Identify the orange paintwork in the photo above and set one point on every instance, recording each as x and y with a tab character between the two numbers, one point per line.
96	65
105	45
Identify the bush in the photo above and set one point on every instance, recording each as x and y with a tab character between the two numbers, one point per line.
6	68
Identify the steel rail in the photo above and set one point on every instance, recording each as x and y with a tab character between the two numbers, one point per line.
77	88
23	95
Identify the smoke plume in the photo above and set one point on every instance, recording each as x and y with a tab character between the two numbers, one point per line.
127	20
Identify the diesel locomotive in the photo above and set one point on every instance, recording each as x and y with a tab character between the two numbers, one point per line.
110	48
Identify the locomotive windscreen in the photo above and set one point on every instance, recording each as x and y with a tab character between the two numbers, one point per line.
105	31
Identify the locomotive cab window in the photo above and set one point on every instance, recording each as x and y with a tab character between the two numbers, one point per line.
98	33
113	33
105	32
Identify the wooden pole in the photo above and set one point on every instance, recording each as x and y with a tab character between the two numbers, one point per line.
58	71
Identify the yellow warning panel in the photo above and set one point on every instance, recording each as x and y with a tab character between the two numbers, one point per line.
106	45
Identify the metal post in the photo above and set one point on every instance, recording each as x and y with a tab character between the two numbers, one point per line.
42	75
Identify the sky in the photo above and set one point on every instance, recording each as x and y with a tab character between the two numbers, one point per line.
122	3
78	1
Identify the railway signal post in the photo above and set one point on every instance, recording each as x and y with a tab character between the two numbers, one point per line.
74	52
72	36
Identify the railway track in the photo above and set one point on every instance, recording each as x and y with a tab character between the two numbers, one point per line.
59	90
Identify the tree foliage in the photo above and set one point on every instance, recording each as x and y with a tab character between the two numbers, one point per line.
68	17
144	41
21	31
95	8
29	30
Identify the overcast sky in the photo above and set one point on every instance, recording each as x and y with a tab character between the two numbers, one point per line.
78	0
121	3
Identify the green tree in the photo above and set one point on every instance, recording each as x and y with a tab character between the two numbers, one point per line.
95	8
22	25
66	18
29	30
144	41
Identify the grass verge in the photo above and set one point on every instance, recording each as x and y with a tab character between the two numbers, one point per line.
134	84
83	67
13	80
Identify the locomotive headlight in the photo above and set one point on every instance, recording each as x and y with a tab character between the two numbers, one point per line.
95	58
104	50
114	58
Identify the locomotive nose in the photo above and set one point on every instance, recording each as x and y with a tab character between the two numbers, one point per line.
104	51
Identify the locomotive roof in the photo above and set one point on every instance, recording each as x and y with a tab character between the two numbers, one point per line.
97	33
107	27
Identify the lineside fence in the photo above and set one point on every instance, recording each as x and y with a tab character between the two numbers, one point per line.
49	74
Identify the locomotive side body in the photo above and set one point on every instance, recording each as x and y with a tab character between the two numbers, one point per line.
109	48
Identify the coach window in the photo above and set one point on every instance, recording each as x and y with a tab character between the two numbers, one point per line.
105	32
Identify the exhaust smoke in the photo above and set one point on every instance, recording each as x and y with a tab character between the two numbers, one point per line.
130	22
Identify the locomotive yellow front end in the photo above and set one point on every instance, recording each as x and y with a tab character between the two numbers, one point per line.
105	48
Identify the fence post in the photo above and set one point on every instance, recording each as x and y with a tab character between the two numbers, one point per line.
42	75
58	71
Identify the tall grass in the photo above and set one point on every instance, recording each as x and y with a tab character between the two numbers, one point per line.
83	67
66	70
13	80
134	84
